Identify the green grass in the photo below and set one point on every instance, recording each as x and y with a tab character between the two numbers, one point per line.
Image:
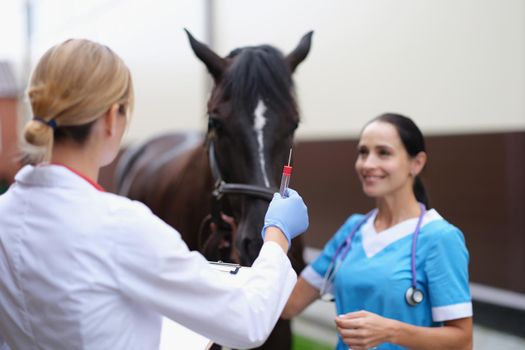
302	343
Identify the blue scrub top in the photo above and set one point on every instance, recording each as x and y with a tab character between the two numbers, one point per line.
376	272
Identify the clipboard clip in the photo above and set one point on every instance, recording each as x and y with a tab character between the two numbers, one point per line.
226	267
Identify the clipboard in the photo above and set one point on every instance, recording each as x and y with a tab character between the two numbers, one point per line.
225	267
173	334
230	268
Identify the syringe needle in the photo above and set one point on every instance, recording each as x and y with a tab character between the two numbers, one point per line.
290	157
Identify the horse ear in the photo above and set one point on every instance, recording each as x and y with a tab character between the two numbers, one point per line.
300	52
213	62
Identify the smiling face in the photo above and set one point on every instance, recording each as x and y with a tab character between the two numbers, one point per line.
383	165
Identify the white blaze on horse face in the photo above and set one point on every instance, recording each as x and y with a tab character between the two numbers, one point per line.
258	126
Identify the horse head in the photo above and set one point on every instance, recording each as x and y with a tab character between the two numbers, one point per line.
252	118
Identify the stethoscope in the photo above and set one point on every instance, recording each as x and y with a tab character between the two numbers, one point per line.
413	295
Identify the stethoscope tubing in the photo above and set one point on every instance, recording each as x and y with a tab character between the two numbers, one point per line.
344	247
414	244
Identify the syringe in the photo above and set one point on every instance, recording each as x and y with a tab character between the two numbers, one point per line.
285	179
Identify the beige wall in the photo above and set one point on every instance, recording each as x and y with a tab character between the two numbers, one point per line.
456	66
170	85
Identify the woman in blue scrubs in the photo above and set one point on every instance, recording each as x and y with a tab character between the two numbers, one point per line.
399	274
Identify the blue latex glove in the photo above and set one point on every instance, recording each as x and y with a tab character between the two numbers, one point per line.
289	214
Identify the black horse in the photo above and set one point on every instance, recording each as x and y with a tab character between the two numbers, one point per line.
188	180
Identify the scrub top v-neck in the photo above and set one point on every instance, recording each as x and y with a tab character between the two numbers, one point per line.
376	272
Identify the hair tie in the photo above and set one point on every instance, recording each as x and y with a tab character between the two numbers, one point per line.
51	123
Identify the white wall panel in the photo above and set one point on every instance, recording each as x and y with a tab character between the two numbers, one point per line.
455	66
149	36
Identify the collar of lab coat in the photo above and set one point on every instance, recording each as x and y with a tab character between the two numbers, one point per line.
54	175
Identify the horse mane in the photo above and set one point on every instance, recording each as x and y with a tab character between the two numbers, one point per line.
259	72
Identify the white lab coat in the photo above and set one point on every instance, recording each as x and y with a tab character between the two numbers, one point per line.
85	269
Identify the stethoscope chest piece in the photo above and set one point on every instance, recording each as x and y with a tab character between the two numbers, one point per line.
413	296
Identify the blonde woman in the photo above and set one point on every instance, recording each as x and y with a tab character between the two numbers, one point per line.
86	269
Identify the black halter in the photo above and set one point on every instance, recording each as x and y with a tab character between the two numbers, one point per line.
223	188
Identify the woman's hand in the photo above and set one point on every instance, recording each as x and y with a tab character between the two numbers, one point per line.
289	214
363	330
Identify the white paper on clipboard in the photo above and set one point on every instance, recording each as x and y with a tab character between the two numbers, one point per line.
174	336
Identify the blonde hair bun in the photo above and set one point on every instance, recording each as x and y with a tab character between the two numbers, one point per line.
75	82
37	133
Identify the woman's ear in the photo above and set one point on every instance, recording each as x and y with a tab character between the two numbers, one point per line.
418	163
111	120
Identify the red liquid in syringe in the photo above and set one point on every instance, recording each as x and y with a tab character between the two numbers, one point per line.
285	179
